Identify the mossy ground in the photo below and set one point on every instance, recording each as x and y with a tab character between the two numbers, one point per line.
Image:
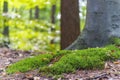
68	61
30	63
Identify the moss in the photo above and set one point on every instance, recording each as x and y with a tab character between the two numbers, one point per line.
114	51
71	62
114	40
92	58
30	63
67	61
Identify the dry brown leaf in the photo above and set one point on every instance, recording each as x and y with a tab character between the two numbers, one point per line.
107	66
116	62
29	76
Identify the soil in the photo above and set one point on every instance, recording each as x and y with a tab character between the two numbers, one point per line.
8	57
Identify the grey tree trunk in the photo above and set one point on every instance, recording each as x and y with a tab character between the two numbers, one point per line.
102	23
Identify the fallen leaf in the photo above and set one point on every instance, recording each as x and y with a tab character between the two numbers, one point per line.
107	66
29	76
20	55
36	78
116	62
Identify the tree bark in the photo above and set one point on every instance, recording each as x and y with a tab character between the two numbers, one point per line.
36	12
102	23
30	13
6	27
53	14
70	22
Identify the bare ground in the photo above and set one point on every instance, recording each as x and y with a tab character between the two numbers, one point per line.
7	57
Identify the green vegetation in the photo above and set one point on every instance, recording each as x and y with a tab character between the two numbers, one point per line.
30	63
26	33
115	40
68	61
41	34
32	35
92	58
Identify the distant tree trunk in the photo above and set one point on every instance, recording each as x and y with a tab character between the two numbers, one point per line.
6	27
102	24
1	20
53	10
70	22
30	13
36	12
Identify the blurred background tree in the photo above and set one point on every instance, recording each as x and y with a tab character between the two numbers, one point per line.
33	24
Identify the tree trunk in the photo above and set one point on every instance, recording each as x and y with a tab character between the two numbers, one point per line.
1	19
36	12
30	13
53	14
70	22
6	27
102	23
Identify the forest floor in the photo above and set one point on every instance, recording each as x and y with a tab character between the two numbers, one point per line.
8	57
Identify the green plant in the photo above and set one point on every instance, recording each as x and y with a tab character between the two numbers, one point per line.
92	58
114	40
67	61
32	35
30	63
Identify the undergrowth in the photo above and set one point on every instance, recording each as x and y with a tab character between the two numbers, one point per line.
30	63
92	58
68	61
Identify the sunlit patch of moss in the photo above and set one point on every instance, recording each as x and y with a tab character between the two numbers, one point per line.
30	63
67	61
114	40
114	51
92	58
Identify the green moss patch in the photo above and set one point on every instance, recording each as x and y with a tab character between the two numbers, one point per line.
93	58
67	61
30	63
114	40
